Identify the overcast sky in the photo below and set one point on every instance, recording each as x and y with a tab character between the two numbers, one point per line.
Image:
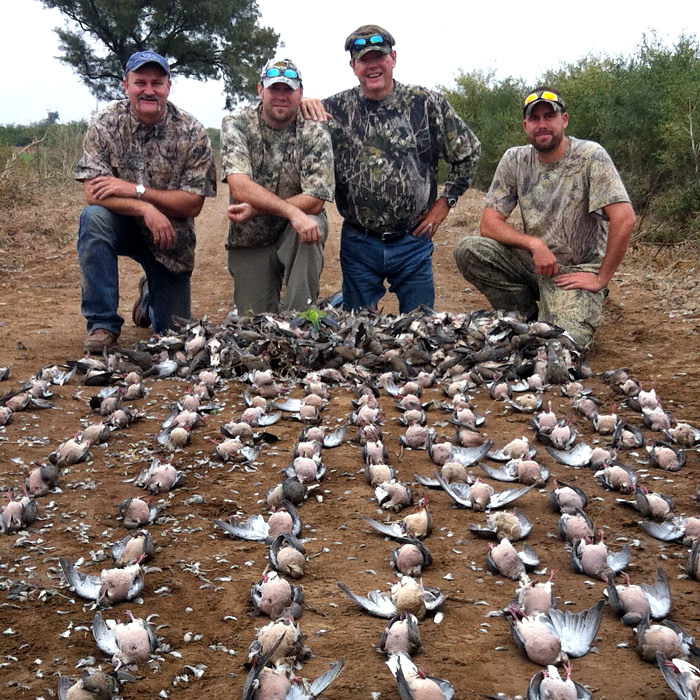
434	41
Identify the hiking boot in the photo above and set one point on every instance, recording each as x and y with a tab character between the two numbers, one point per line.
98	340
137	316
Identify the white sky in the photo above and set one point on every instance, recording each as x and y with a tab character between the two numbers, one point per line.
433	43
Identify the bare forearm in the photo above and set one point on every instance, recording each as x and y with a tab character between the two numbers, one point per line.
494	225
244	189
619	232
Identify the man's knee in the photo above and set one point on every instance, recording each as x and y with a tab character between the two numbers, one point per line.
97	222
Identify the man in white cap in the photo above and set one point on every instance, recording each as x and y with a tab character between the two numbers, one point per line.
146	168
577	220
279	169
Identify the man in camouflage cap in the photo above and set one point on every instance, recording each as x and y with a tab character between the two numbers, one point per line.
146	168
387	141
577	221
279	169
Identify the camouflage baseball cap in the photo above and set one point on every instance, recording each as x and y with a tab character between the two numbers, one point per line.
369	37
141	58
553	99
280	70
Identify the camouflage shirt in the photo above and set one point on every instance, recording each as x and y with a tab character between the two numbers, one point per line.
387	151
174	154
295	160
561	203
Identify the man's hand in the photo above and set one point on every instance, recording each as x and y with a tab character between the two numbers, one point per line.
307	228
160	227
431	221
543	258
579	280
241	212
104	186
312	109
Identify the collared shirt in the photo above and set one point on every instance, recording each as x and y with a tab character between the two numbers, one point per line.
297	159
561	203
387	152
173	154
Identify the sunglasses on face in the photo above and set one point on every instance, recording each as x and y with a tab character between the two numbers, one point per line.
277	72
374	40
543	95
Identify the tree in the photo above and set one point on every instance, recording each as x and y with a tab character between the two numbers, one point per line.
202	39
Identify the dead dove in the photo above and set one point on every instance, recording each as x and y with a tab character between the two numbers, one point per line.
291	647
575	526
377	473
291	489
18	514
665	456
651	505
414	684
480	496
256	529
514	525
526	471
633	602
393	495
129	643
682	677
274	596
40	480
134	547
679	529
401	635
668	638
533	597
91	686
136	513
288	556
567	498
411	558
417	524
408	595
683	434
160	477
70	452
302	689
111	586
548	684
594	559
503	559
306	469
548	638
617	477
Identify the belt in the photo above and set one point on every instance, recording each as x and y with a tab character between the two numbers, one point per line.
386	237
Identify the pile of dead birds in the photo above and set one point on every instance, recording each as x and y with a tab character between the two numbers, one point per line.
455	357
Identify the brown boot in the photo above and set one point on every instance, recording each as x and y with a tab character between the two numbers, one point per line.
99	339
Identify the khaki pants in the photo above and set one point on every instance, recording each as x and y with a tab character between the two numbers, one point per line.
259	273
506	277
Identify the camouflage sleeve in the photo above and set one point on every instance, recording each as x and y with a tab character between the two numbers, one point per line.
199	171
95	158
503	192
317	173
235	151
606	186
461	149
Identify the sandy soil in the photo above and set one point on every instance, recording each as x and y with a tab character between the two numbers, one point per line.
199	588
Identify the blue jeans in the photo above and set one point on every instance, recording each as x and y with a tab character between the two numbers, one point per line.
102	237
405	264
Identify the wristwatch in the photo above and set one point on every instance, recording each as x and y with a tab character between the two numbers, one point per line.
451	201
140	191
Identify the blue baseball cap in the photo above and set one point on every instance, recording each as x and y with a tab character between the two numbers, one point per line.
141	58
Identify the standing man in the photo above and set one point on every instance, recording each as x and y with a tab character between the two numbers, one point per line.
279	169
577	220
146	168
387	141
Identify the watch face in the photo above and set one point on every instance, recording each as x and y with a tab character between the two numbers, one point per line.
140	190
451	201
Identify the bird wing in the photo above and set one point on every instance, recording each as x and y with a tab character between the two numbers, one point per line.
326	678
104	636
335	438
467	456
504	473
666	531
528	557
426	481
392	530
85	586
254	529
579	456
498	500
620	560
672	678
375	603
576	631
659	595
458	492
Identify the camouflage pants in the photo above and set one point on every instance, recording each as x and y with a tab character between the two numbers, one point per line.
506	277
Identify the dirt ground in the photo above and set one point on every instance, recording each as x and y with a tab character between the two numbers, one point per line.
201	578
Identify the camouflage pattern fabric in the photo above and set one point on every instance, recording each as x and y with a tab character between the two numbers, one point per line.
506	277
387	151
174	154
295	160
561	203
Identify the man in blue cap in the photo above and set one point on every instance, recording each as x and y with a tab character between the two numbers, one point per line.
146	168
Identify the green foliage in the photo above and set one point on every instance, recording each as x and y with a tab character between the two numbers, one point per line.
488	106
644	109
202	39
